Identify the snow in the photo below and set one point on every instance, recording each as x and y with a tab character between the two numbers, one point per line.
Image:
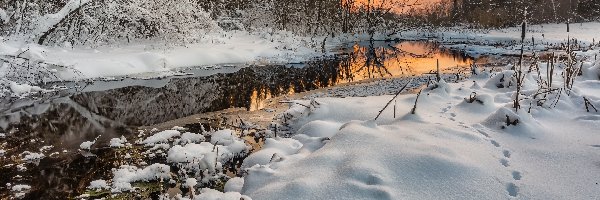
205	154
21	167
178	128
87	145
125	175
46	148
234	47
188	137
450	149
32	157
161	137
234	185
21	89
273	146
118	142
222	137
48	21
3	16
190	182
19	188
98	185
484	42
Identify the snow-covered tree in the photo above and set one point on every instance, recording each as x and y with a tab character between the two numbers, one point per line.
88	22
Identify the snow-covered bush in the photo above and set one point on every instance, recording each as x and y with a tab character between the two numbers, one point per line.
85	22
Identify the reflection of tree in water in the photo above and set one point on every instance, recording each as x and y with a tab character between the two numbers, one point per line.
381	59
366	62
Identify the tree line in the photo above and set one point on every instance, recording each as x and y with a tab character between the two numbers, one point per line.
97	22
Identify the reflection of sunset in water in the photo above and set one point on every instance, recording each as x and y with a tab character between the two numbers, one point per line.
392	60
362	62
398	6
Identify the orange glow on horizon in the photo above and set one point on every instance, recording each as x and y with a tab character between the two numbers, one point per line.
397	6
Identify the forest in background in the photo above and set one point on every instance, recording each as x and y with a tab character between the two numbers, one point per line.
100	22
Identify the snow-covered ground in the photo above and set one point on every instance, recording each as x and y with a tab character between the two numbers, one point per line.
465	140
243	47
449	149
542	33
126	59
507	41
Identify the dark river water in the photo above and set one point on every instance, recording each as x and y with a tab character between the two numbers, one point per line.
66	118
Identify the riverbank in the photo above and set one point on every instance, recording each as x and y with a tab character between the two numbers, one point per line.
223	147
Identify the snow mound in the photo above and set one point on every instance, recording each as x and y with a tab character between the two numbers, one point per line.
31	157
504	79
87	145
273	147
125	175
234	185
516	123
22	89
118	142
98	185
222	137
20	188
161	137
209	156
188	137
375	173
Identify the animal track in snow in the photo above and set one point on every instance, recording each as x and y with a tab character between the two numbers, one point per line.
512	189
446	109
495	143
483	133
506	153
517	175
504	162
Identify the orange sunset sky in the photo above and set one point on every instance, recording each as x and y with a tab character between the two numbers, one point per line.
416	4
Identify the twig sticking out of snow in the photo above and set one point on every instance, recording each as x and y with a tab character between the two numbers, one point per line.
509	122
414	110
589	104
438	77
396	96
